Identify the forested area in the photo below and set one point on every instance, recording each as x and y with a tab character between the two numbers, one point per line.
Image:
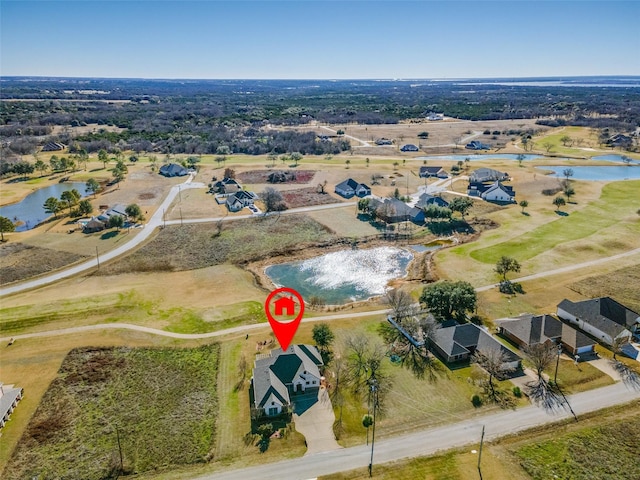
244	116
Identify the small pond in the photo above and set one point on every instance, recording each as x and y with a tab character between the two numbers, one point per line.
431	246
343	276
604	173
613	158
483	156
30	210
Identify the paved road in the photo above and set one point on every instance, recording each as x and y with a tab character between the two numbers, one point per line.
428	442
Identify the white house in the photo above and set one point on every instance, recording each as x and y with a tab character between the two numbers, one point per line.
280	376
603	318
498	192
350	187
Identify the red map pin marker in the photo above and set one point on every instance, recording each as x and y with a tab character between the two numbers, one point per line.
287	303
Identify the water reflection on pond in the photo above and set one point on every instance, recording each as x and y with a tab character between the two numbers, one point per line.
343	276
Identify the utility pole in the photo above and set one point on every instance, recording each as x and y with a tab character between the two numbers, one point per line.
480	452
555	376
97	257
374	391
119	448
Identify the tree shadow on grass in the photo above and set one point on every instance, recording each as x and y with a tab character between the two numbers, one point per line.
561	213
108	235
526	214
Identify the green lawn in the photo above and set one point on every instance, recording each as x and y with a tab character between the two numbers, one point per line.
574	378
612	208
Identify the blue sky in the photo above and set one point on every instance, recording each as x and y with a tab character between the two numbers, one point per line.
319	39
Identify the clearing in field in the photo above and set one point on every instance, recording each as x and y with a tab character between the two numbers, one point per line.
155	406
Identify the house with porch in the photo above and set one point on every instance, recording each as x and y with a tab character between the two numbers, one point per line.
9	398
392	210
426	200
173	170
239	200
497	192
603	318
279	377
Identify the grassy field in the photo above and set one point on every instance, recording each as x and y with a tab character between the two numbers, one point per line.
19	261
160	404
185	247
621	285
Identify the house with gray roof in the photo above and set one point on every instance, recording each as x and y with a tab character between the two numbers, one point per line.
426	200
497	192
528	329
458	343
173	170
427	171
392	210
279	377
239	200
603	318
350	187
482	175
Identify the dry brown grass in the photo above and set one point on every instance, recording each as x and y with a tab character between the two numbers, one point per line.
19	261
621	285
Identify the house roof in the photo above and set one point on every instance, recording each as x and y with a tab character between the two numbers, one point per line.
173	169
349	183
603	313
487	175
273	372
426	199
460	339
575	338
401	209
533	329
430	169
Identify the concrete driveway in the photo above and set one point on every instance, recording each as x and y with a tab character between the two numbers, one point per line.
604	365
316	424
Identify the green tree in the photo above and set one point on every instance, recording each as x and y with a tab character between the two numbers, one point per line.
566	140
52	205
461	205
323	336
524	204
84	207
103	156
55	163
23	168
134	212
7	226
70	197
223	150
116	221
567	173
506	265
447	300
559	202
296	157
569	191
520	159
92	186
41	166
363	205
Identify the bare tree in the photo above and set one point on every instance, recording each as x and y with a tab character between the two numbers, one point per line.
363	363
494	362
401	304
273	201
541	391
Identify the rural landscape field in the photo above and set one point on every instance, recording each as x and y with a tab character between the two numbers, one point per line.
296	240
133	340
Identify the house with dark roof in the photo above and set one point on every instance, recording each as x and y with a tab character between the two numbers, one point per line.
279	377
9	398
173	170
426	200
117	209
459	342
226	186
392	210
350	187
427	171
620	140
239	200
527	330
409	147
93	225
384	141
483	175
603	318
477	145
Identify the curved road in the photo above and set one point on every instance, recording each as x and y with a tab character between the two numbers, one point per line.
155	221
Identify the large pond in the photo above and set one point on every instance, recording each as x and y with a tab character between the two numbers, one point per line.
343	276
30	211
483	156
614	158
605	173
